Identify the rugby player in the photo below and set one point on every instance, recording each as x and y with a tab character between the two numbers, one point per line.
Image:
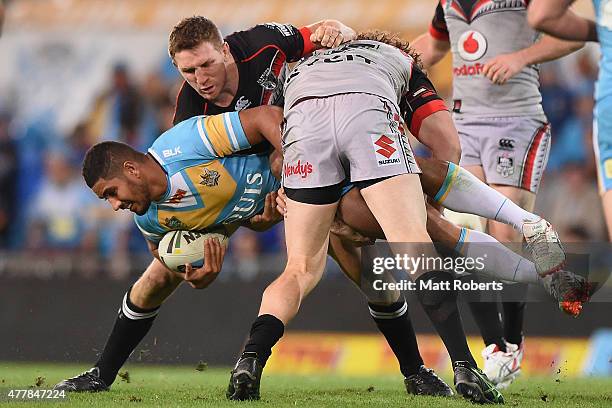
555	18
224	75
337	103
142	301
228	188
505	136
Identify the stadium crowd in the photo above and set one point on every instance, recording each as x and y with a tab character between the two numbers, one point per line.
41	186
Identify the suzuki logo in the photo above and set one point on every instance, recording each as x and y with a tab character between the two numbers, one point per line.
386	148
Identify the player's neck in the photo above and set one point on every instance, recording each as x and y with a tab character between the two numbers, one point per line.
156	178
230	89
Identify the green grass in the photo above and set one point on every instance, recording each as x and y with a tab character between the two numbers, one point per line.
164	386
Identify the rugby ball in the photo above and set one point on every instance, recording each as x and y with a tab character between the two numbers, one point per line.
178	248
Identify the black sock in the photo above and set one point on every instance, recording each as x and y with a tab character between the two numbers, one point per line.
132	324
513	321
441	308
486	315
265	332
394	323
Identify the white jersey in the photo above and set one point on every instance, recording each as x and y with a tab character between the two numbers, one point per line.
478	31
362	66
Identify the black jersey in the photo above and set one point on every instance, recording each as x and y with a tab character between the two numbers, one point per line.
260	54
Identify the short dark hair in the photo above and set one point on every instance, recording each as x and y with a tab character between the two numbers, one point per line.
191	32
105	160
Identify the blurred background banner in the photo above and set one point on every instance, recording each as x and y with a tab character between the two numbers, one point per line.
76	72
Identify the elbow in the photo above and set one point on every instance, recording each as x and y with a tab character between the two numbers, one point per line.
537	19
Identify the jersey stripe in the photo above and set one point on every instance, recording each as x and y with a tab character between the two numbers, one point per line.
218	135
204	137
230	130
154	154
241	138
262	50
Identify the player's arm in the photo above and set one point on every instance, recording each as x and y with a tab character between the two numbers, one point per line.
330	33
200	278
433	45
503	67
262	123
428	118
269	217
555	18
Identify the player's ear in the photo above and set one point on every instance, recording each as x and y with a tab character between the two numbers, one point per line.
130	168
225	50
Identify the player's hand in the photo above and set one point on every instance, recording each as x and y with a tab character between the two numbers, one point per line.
346	233
503	67
268	217
214	253
281	202
332	33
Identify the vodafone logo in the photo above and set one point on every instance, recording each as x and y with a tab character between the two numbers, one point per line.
472	45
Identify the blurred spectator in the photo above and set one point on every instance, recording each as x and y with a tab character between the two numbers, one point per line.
158	109
56	215
571	199
557	99
244	248
118	111
79	141
8	179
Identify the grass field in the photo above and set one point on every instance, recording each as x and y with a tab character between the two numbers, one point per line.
187	387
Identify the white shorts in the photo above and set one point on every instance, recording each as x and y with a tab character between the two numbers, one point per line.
513	151
352	136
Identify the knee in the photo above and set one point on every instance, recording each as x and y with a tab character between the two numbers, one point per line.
306	271
155	280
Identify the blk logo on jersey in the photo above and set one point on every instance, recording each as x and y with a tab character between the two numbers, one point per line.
472	45
169	152
386	151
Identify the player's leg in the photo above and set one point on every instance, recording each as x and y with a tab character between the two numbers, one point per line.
389	310
307	234
138	310
391	188
602	145
312	181
512	305
606	200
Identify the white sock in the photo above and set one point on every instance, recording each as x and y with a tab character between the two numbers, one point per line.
499	261
464	192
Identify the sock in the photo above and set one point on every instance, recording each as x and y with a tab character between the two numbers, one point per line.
514	313
499	261
463	192
132	324
394	323
266	331
441	308
488	320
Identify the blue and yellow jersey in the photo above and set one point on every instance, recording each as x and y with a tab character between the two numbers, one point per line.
603	15
207	186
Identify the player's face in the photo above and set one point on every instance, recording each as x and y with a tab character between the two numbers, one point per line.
124	193
204	68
